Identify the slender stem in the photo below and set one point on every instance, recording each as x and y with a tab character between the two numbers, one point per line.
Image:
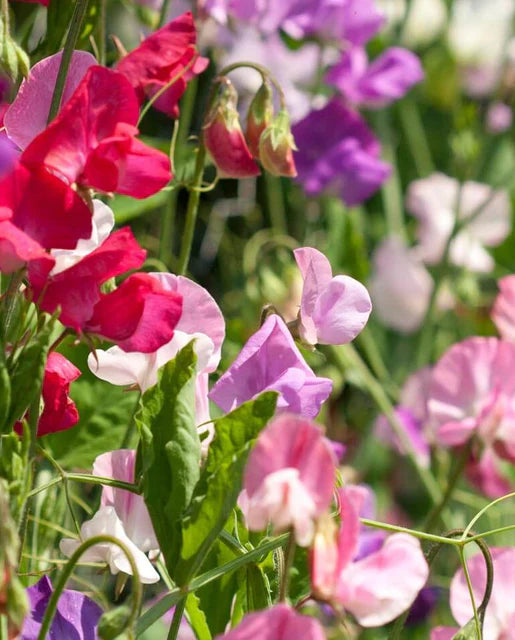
412	532
413	128
177	619
275	199
132	425
165	10
191	212
79	13
263	71
483	511
67	571
102	33
471	591
288	564
9	300
88	479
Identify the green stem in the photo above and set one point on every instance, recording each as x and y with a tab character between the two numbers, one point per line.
347	357
288	564
88	479
9	300
471	591
192	211
165	10
483	511
275	199
102	33
79	13
67	571
132	425
263	71
177	619
422	535
413	128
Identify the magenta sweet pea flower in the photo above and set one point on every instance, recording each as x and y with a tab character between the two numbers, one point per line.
500	613
338	152
378	587
289	478
76	617
376	84
27	116
333	310
270	361
280	622
472	393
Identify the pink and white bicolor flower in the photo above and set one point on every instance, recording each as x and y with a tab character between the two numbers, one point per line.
333	310
289	478
376	588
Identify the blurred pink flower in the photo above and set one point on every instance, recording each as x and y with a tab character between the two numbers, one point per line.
289	478
333	310
400	286
270	361
499	117
443	633
503	312
280	622
434	200
378	587
375	85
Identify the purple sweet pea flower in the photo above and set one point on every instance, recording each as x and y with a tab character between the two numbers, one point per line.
423	606
413	429
337	151
369	540
375	85
76	617
270	361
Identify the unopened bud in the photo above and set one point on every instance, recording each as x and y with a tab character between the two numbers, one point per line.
224	138
276	147
261	112
114	622
13	58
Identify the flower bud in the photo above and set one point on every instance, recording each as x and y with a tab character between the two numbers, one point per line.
224	138
261	112
13	58
114	622
276	147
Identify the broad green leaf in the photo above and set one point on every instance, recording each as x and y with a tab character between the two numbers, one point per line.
197	618
169	454
218	489
105	413
27	373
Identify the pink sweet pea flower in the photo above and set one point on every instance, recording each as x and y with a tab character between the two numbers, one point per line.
443	633
159	59
59	410
139	315
374	589
17	249
129	507
92	141
332	310
503	312
389	77
106	522
289	478
27	116
500	613
280	622
433	201
472	392
270	361
486	474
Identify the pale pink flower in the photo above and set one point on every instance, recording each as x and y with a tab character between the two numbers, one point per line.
499	118
289	478
434	201
443	633
376	588
503	312
333	310
280	622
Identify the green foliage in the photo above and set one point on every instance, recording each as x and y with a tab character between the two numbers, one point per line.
220	484
468	632
197	618
105	414
169	453
5	390
59	16
114	622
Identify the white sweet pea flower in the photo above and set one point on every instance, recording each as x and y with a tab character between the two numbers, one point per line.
106	522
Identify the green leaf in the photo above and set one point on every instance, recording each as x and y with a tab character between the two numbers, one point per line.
468	632
5	390
258	589
196	618
105	413
27	373
169	453
126	208
218	489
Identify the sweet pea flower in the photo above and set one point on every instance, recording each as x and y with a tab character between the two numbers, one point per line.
500	613
92	141
338	152
130	508
139	314
159	59
433	202
499	118
107	522
374	589
400	286
27	116
270	361
472	393
333	310
289	478
503	311
377	84
280	622
76	616
59	411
